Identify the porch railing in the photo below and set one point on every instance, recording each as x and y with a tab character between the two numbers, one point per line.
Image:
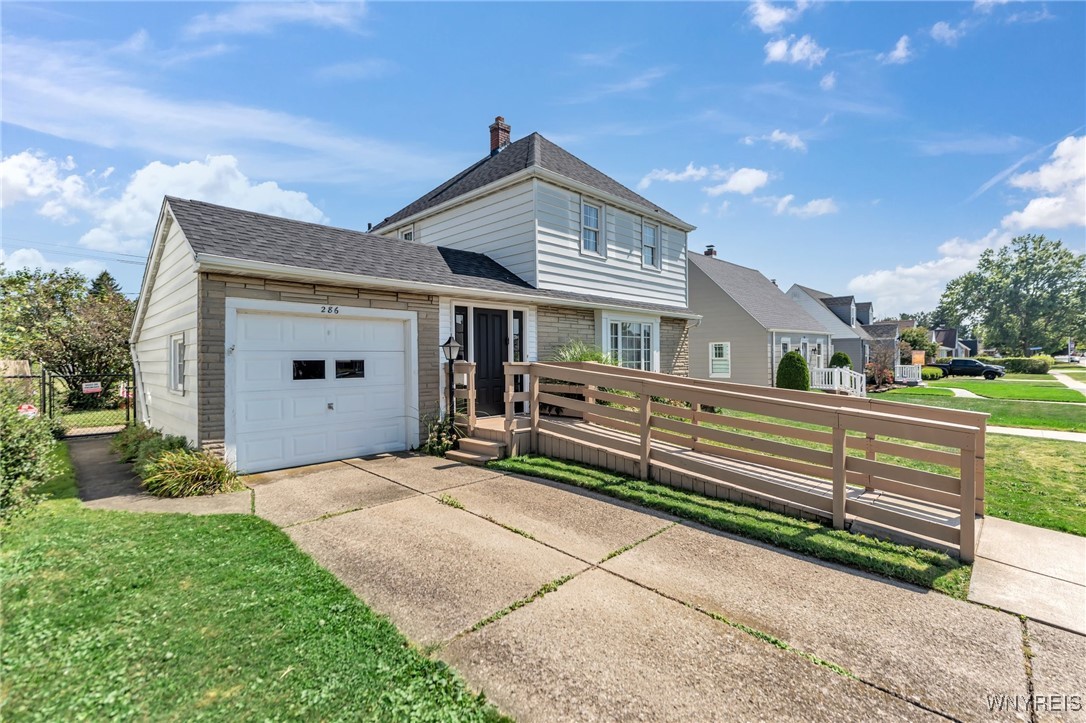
667	424
907	373
839	380
464	390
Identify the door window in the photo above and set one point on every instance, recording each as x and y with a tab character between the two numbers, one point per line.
307	369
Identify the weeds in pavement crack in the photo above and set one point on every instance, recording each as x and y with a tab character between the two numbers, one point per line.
450	501
547	588
632	545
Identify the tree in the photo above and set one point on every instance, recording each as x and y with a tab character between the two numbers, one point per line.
917	338
792	372
840	359
1030	293
104	284
52	318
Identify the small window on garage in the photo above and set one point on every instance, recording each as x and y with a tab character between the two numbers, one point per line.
350	368
305	369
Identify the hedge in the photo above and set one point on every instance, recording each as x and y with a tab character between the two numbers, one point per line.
792	372
840	359
1039	364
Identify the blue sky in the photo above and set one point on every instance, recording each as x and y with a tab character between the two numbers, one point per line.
870	148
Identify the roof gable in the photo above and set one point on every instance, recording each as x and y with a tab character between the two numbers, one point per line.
532	151
759	297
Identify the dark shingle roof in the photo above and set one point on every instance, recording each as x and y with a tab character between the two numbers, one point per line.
946	337
532	150
882	331
237	234
838	300
758	296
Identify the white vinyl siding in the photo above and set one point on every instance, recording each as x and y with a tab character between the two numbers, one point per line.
720	360
500	225
618	270
170	312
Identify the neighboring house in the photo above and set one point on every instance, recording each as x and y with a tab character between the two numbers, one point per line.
839	318
278	343
747	324
950	345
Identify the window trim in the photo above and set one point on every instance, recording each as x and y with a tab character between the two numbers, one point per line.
605	320
408	230
712	348
600	229
175	361
656	265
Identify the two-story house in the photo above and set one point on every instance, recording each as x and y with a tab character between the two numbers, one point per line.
278	343
842	317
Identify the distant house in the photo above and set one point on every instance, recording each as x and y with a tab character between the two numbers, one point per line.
950	345
275	343
747	324
837	314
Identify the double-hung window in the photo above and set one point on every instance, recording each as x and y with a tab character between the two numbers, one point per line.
176	360
407	233
720	359
650	245
591	220
631	344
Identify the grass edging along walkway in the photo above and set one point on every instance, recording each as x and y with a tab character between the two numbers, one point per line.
1004	412
926	568
123	615
1040	391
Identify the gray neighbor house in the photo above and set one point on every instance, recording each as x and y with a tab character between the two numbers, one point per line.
747	324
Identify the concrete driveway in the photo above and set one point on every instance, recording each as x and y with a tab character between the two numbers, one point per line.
561	605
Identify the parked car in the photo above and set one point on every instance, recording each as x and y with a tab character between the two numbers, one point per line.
970	368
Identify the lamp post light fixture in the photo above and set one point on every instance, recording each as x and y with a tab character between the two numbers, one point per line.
451	349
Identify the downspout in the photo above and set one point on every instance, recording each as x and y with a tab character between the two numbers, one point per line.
137	380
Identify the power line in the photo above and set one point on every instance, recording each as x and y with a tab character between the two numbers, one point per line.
43	244
94	257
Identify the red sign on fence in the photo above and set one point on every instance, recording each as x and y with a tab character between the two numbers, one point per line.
28	410
92	387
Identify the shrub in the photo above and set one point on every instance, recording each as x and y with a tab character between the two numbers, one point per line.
183	473
441	436
930	373
840	359
943	360
126	443
150	449
576	350
878	377
1039	364
792	372
25	460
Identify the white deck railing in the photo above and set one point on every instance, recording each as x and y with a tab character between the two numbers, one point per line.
907	373
839	379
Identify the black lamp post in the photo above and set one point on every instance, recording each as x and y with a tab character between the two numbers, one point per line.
451	349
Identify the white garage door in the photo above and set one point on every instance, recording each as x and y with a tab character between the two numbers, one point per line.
312	389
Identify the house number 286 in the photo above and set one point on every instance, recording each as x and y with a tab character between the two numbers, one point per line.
329	309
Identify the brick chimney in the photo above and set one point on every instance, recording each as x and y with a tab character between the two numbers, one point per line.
499	135
710	250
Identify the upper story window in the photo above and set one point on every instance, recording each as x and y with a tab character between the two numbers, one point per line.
650	245
407	233
591	217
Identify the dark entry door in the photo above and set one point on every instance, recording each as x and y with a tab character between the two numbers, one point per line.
491	353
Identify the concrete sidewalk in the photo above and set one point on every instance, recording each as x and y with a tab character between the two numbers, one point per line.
559	604
1040	433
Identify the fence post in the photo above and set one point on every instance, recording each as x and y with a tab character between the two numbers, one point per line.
510	405
869	450
646	417
839	456
979	466
42	411
533	406
967	541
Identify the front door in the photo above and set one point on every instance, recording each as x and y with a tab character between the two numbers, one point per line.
491	353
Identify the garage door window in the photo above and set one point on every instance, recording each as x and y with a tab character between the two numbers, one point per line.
308	369
350	368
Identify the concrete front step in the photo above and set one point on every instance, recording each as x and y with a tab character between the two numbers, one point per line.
482	446
468	457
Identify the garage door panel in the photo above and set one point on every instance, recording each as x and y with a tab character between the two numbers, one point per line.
309	444
372	402
253	412
378	336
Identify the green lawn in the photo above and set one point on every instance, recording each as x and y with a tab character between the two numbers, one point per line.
926	568
92	418
1005	413
1037	482
1030	377
111	615
1026	391
921	392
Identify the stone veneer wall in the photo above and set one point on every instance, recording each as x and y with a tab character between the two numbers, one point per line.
211	338
674	347
556	325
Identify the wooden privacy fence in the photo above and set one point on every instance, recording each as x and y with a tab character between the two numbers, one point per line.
745	437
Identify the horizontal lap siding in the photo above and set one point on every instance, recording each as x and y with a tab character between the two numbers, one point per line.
215	288
171	309
562	267
500	225
725	320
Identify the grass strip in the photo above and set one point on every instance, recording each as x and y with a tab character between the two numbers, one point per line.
626	548
113	615
1042	391
926	568
1005	413
546	588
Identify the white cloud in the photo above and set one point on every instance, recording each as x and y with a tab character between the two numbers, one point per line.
778	137
919	286
985	6
744	181
690	173
1062	180
368	69
80	93
900	54
829	81
978	144
33	259
769	18
790	50
945	33
817	207
125	222
264	17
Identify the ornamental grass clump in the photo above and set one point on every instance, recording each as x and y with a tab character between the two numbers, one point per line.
792	372
126	443
184	473
151	449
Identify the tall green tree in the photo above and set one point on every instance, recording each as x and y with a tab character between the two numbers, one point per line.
1030	293
917	337
104	285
